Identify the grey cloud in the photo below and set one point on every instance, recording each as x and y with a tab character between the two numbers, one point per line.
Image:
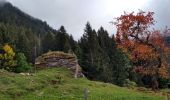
74	14
2	2
161	8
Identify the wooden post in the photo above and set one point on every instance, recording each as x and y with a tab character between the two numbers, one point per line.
168	97
35	55
85	94
77	67
76	71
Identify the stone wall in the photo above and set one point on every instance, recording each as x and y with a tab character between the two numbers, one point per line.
59	59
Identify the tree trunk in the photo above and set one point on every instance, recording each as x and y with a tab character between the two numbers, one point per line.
154	83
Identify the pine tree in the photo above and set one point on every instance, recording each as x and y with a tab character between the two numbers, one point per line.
48	42
73	43
67	47
108	46
62	40
23	45
94	59
120	67
107	43
117	70
4	35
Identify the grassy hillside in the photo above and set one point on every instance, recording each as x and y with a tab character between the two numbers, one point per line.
58	84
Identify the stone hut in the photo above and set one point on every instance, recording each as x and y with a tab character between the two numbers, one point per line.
59	59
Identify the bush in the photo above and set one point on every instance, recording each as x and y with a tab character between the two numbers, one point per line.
129	84
163	83
7	56
22	64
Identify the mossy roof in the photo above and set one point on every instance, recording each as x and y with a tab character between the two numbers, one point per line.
53	54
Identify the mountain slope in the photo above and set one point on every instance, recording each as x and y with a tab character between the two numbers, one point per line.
13	16
58	84
28	34
21	30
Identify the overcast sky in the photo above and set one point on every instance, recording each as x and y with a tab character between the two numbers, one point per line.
74	14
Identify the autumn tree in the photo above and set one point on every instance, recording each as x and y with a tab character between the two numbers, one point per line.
7	55
145	47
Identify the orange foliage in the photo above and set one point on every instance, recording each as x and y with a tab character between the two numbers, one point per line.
145	47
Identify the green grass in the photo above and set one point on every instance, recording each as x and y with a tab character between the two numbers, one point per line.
59	84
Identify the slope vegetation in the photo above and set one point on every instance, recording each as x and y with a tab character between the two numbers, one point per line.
59	84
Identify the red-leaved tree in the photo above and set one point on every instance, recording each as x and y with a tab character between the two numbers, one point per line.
145	46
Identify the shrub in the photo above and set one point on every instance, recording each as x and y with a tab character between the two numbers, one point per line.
7	56
22	64
129	84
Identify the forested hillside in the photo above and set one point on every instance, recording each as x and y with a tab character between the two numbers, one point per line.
24	32
130	56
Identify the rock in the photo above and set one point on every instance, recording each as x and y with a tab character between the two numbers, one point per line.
25	74
59	59
22	74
